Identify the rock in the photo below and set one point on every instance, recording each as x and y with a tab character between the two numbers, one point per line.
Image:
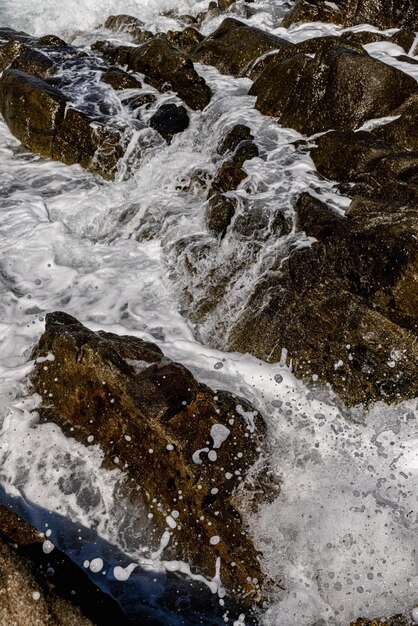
343	155
219	212
312	11
170	120
17	35
113	53
363	37
365	265
140	100
403	38
52	41
233	138
127	24
331	90
185	40
399	14
119	79
25	600
380	13
245	151
164	66
234	47
38	115
24	563
378	169
225	4
33	62
316	219
402	131
156	419
227	178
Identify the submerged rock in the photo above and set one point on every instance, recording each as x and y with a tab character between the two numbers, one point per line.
185	446
330	91
39	116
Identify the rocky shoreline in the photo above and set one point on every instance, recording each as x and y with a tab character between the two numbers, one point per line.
344	308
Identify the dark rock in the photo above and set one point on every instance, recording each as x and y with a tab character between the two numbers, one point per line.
366	266
8	34
317	219
407	59
165	67
311	11
343	155
33	62
363	37
38	115
128	24
170	120
330	91
155	417
140	100
227	178
380	13
225	4
52	41
402	132
113	53
234	47
245	151
378	169
219	212
233	138
403	38
119	79
185	40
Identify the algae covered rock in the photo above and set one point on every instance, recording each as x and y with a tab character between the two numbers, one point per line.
185	446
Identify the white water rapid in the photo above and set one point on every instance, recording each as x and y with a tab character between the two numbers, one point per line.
340	540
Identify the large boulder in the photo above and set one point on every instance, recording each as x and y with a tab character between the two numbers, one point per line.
39	116
369	166
235	46
331	91
345	307
381	13
164	66
183	445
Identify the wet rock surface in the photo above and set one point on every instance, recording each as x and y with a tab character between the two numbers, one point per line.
234	47
331	90
174	436
364	264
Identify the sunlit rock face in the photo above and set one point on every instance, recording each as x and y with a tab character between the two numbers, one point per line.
184	446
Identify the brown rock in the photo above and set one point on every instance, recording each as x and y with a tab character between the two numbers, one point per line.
311	11
164	66
233	138
219	212
234	47
331	90
37	115
119	79
398	620
26	599
185	40
227	178
128	24
358	287
403	131
136	401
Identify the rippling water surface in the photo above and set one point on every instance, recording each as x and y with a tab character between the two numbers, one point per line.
340	539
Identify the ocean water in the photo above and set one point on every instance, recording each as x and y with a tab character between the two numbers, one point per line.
340	540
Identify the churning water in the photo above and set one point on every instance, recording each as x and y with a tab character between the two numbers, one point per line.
340	540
